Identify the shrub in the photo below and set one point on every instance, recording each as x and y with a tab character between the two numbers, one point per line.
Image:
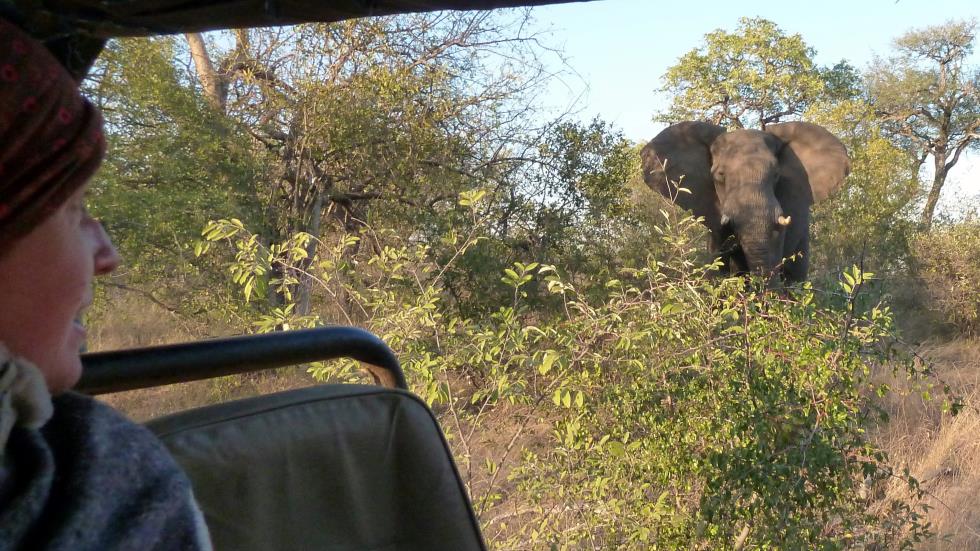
685	411
948	262
696	414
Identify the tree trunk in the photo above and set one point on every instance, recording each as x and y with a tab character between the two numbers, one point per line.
937	186
210	80
305	281
272	295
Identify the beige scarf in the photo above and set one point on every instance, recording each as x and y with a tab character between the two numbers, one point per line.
24	397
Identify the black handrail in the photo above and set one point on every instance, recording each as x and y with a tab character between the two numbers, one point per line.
120	370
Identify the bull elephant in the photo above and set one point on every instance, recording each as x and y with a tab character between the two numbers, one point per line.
753	188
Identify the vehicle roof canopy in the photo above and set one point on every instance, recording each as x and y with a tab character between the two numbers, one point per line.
76	30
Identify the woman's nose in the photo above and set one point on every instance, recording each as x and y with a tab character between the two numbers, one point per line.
106	255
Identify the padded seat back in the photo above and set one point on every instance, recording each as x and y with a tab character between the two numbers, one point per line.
338	467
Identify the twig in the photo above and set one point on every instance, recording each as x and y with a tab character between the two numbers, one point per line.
143	293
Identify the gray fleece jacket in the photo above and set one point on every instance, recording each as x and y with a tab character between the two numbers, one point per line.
80	476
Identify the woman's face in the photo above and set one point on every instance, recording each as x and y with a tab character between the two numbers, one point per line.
47	281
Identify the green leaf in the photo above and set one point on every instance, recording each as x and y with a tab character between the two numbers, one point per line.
547	361
616	448
249	284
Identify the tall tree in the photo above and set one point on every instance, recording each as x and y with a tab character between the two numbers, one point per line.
567	203
173	165
393	115
870	221
929	99
377	122
751	77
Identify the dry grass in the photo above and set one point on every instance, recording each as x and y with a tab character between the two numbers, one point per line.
136	322
941	451
145	404
131	321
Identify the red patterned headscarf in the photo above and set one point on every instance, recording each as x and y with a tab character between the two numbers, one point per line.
51	139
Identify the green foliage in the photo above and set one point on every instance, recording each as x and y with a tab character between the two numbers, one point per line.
172	165
750	77
947	263
321	129
709	415
177	155
384	173
568	204
928	99
686	411
870	221
928	74
585	167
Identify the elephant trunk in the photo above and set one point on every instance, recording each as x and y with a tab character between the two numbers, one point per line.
762	242
759	258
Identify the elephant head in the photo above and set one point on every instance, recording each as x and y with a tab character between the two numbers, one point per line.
753	188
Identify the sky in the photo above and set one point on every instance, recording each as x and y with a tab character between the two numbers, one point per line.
619	49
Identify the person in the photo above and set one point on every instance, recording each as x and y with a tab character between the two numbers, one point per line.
74	473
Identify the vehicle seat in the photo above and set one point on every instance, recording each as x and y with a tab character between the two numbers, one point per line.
329	467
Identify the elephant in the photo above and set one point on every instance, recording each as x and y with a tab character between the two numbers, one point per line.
752	188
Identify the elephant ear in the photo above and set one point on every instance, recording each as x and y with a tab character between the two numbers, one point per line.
682	153
813	162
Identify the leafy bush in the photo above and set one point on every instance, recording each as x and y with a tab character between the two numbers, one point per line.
690	413
685	411
948	262
871	219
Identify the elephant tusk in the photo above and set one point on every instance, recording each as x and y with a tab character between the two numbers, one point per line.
784	220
